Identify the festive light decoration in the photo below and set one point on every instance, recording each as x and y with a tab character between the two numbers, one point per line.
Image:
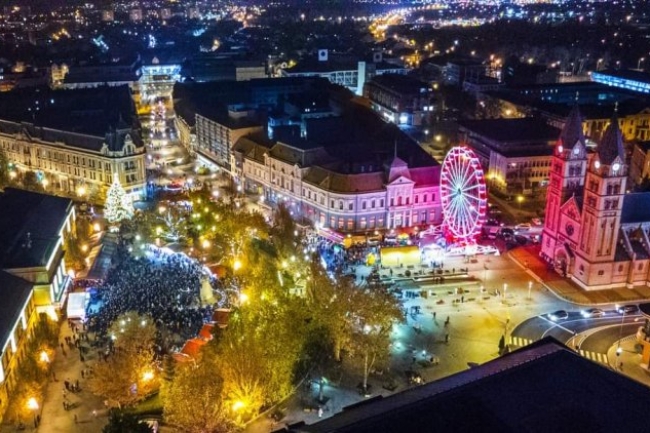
118	205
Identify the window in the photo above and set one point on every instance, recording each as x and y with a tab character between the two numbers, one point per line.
350	206
424	198
601	272
372	204
620	268
640	267
363	205
392	202
416	199
381	203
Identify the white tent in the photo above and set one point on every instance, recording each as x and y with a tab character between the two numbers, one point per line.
77	305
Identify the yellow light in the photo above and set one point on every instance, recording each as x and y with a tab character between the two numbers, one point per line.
161	209
237	265
147	376
45	183
243	298
32	404
238	405
159	230
97	227
13	174
81	191
84	248
205	244
44	357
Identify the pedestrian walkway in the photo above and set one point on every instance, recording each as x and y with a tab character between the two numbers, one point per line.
624	358
520	341
563	288
83	407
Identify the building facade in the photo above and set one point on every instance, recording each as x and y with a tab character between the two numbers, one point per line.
594	232
316	187
75	164
33	276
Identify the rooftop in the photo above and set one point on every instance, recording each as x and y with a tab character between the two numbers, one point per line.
15	293
544	387
627	74
400	83
30	224
636	208
512	130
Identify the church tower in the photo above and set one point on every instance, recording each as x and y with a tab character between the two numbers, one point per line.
602	206
568	167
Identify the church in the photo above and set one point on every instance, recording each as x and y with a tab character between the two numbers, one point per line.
595	231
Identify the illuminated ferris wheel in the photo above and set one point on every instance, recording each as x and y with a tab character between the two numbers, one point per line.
463	195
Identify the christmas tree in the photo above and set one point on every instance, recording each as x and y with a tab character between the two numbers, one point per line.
118	205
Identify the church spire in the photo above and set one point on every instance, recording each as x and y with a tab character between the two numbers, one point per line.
572	131
611	145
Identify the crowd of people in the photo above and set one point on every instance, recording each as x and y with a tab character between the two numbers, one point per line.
164	286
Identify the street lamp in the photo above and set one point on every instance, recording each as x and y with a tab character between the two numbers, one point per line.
520	200
641	60
32	405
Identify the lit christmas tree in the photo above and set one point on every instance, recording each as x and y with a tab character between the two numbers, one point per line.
118	205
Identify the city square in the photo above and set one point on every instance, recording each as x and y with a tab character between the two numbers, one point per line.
312	218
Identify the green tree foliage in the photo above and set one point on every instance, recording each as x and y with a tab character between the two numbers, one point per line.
195	401
120	421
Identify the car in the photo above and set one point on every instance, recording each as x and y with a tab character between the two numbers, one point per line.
537	221
558	315
592	312
627	309
522	227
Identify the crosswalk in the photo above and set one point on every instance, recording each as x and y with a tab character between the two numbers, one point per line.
520	341
594	356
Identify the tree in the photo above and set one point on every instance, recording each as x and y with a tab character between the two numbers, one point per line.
371	342
120	421
195	401
128	375
118	204
31	183
4	169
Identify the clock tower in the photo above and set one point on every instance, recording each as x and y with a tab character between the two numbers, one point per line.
602	207
568	167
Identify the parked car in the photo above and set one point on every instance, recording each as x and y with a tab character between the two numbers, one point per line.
558	315
627	309
592	312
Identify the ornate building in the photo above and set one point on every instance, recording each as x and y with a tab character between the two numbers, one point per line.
595	233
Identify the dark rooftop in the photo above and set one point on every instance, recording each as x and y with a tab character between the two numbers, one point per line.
544	387
30	224
15	293
399	83
636	208
89	112
515	130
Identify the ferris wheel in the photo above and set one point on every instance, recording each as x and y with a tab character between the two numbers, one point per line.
463	194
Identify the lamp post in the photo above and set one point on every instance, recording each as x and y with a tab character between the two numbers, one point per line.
638	64
32	405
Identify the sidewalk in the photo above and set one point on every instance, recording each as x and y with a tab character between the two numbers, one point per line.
528	258
55	419
630	360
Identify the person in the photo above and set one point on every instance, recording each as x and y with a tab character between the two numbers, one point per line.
447	338
447	321
434	315
76	420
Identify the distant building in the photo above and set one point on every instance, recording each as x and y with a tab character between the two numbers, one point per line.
74	141
222	68
515	153
135	15
635	81
33	277
211	116
89	76
342	70
108	16
516	392
460	70
400	99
